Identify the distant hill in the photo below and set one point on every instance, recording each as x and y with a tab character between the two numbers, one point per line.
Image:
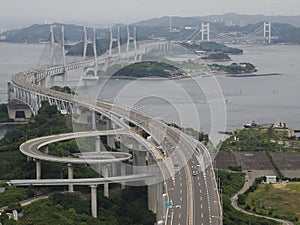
41	33
158	28
229	19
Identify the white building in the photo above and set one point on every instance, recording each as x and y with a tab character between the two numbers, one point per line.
271	179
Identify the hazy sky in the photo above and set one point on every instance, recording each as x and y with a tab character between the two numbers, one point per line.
112	11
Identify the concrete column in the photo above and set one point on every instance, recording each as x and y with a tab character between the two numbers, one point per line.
160	201
106	185
111	142
152	202
123	173
70	176
123	147
98	144
51	81
139	161
114	169
38	169
110	139
94	200
47	149
94	125
43	83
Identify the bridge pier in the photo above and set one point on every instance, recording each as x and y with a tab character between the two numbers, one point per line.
94	122
124	148
152	187
105	171
110	139
160	201
98	144
38	169
139	161
46	149
123	173
94	200
51	81
70	176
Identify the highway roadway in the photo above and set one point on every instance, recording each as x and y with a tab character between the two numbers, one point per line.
188	173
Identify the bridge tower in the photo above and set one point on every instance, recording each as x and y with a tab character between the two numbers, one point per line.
85	42
95	53
132	38
52	45
112	40
268	32
205	32
64	76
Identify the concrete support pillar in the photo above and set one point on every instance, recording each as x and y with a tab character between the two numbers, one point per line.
94	125
123	173
111	142
94	200
139	161
123	148
51	81
43	83
70	176
114	169
47	149
152	199
105	170
160	201
110	139
98	144
38	169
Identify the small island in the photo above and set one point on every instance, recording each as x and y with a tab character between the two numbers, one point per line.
149	69
216	57
234	68
212	47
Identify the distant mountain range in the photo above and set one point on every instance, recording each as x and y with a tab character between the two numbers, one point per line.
287	28
229	19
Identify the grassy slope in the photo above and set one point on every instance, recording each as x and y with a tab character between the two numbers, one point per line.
230	184
278	200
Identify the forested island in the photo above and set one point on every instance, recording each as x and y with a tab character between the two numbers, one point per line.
212	47
234	68
149	69
217	57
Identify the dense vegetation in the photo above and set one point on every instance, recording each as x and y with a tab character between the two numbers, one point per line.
128	207
64	89
234	68
148	69
257	140
4	114
268	199
230	184
217	57
13	164
212	47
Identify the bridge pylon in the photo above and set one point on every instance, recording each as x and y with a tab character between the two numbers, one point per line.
268	32
85	42
112	40
95	53
52	45
132	38
64	76
205	32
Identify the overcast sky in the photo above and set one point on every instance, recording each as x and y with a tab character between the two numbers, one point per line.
127	11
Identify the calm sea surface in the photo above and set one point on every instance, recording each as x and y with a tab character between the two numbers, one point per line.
191	102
